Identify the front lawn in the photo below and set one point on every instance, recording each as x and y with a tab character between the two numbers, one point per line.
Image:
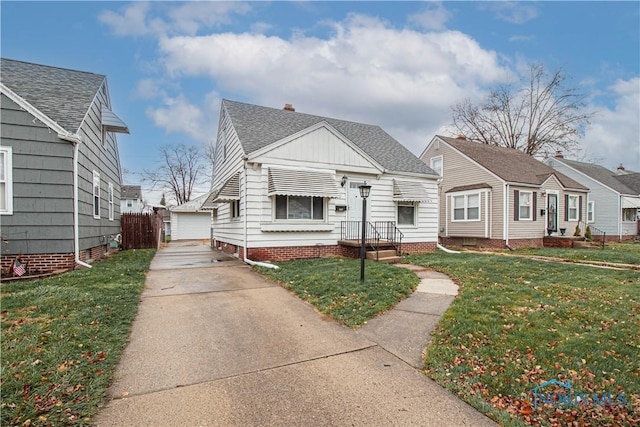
333	286
518	323
622	253
62	338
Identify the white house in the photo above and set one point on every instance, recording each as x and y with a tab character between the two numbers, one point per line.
131	199
286	186
613	203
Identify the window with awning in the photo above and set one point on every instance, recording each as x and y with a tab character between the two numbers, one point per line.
630	202
111	122
230	191
409	191
304	183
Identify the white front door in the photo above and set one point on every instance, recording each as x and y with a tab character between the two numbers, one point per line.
354	208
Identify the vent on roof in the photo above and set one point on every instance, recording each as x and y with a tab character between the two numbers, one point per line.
289	107
620	168
461	136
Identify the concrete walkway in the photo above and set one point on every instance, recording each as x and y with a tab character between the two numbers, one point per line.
214	344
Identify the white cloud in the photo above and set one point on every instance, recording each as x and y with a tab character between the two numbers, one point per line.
512	12
614	135
149	89
177	114
434	17
367	71
143	18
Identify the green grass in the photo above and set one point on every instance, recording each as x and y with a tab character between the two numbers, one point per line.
518	322
62	338
333	286
623	253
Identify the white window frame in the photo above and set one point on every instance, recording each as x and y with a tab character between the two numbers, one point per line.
591	211
412	205
466	206
522	205
110	201
96	195
7	180
625	211
311	213
576	209
441	171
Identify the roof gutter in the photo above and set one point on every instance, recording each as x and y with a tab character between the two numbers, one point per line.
75	140
247	260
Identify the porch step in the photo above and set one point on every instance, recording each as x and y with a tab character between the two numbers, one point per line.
381	254
390	259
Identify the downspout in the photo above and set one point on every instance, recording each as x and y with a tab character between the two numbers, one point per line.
505	216
449	251
620	217
76	231
247	260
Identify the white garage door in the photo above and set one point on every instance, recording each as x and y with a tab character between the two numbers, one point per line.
192	226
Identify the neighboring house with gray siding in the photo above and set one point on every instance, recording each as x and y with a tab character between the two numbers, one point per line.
61	175
492	196
614	200
286	185
131	199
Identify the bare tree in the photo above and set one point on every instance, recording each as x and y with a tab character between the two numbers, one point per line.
180	170
541	117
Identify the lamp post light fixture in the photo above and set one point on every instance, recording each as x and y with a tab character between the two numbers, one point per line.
365	190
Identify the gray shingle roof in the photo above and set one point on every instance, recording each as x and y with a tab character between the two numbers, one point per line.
131	192
631	181
62	95
598	173
509	164
258	127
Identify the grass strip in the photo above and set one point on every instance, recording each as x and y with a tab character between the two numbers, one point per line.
621	253
333	286
62	338
517	323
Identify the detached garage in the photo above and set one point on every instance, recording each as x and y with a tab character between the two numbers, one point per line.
190	222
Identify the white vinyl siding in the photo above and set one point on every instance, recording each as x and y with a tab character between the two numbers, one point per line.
96	195
6	181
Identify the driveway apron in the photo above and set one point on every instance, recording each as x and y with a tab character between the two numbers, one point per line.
214	344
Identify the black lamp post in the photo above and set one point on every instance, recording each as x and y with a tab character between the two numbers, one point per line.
365	190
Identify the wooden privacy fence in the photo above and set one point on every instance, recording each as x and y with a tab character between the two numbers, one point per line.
140	231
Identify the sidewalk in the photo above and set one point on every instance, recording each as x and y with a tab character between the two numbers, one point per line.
218	345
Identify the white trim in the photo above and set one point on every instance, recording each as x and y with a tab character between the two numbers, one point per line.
414	205
8	180
441	158
520	205
487	217
505	214
319	125
577	208
293	226
593	211
96	197
110	201
465	195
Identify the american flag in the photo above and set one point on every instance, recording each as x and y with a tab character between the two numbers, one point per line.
18	268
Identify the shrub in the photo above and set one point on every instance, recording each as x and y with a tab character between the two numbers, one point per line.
577	232
587	233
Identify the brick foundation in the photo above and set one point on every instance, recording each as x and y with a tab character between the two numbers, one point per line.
491	243
47	263
418	247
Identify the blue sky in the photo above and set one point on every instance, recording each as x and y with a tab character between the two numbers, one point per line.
400	65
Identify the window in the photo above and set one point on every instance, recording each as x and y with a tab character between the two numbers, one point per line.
234	208
436	164
572	208
300	208
129	203
6	181
629	214
406	214
591	211
466	207
96	195
110	202
524	205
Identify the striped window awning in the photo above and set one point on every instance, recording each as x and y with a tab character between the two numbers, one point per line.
409	191
230	191
111	122
291	182
630	202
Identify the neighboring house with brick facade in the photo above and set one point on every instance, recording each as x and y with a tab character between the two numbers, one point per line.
614	199
131	199
492	196
286	185
60	168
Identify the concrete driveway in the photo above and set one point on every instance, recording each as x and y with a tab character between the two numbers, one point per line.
214	344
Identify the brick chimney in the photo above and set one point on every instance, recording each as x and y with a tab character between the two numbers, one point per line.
289	107
461	136
620	169
559	155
